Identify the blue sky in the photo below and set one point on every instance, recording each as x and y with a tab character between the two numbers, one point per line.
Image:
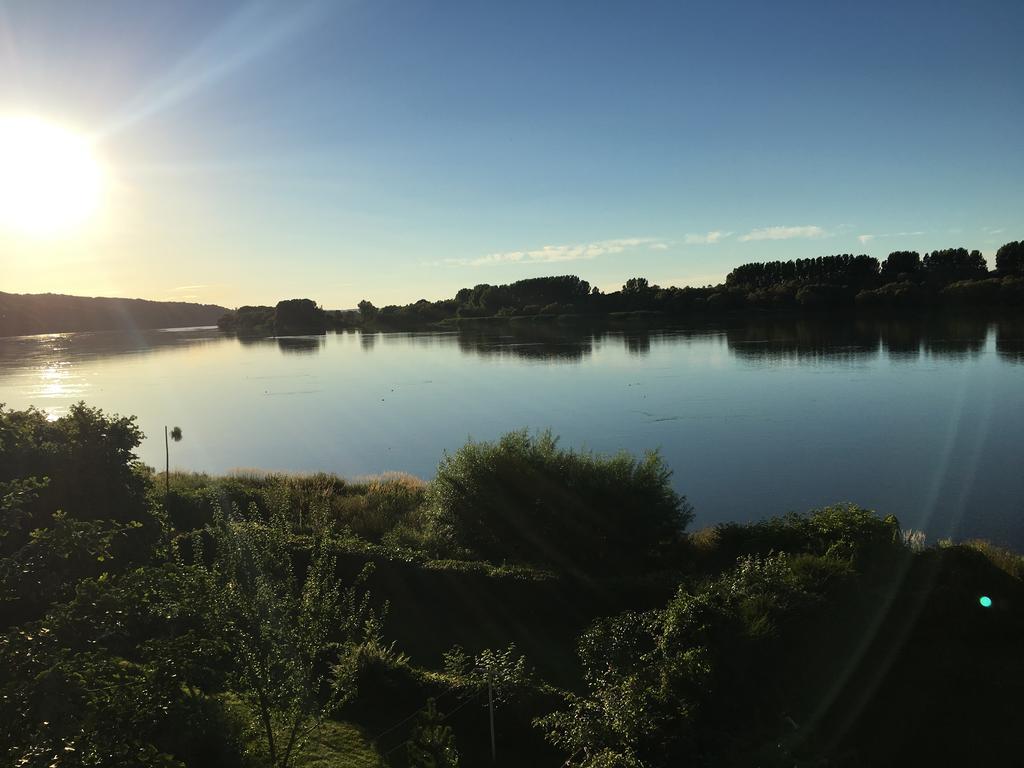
401	150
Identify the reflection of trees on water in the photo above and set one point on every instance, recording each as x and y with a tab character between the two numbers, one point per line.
638	344
807	340
955	338
763	340
301	345
780	340
289	345
367	340
901	340
1010	340
553	344
256	341
803	341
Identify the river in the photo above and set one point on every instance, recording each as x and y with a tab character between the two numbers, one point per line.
921	420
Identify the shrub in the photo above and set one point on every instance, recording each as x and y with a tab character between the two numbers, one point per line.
899	295
87	458
522	498
843	530
699	679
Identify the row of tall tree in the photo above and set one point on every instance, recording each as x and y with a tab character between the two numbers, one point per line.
938	268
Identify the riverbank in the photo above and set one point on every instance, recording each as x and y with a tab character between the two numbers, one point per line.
568	581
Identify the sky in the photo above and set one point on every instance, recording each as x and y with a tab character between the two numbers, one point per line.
341	150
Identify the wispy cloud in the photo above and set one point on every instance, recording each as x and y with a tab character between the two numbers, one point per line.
554	253
708	238
190	287
864	239
782	233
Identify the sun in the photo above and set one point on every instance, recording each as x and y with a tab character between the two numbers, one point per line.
50	179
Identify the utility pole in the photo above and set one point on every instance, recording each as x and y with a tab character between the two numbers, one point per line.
490	704
175	435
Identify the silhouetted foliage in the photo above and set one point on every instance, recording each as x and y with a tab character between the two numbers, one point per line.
843	269
291	316
952	264
1010	259
898	295
524	499
901	266
84	463
248	320
819	643
299	316
367	311
23	314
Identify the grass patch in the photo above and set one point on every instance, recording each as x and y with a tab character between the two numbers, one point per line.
338	745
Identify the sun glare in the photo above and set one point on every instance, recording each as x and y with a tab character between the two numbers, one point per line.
50	179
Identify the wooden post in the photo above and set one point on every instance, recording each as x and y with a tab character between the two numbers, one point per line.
167	469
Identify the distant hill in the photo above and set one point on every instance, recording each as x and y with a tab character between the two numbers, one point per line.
26	313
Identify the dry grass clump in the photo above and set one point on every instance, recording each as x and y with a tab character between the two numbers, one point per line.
375	506
1001	557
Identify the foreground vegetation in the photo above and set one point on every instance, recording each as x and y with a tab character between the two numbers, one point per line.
953	279
270	620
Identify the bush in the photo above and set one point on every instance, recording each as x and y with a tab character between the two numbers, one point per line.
898	295
842	530
522	498
672	686
87	459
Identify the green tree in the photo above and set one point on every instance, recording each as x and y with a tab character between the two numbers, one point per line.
86	458
900	265
953	264
665	686
367	311
292	630
1010	259
115	676
432	744
299	316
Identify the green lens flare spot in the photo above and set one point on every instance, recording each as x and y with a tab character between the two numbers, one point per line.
985	601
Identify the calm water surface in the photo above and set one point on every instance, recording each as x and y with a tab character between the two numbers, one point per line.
922	421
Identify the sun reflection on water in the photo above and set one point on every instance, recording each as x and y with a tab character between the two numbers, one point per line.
58	381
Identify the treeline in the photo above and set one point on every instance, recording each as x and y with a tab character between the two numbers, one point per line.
943	279
24	314
291	316
954	277
950	279
288	621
